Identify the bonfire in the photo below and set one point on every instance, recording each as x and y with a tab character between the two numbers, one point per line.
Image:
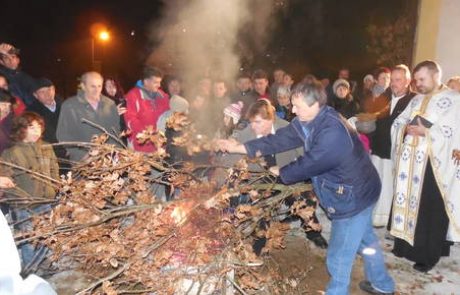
108	224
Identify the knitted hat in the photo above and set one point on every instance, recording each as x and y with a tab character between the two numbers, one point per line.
178	104
234	111
368	77
40	83
340	82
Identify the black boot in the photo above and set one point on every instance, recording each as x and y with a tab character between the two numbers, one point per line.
367	287
422	267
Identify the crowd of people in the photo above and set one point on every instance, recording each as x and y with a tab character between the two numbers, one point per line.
378	153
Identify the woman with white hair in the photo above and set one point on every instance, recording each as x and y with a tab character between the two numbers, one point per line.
283	106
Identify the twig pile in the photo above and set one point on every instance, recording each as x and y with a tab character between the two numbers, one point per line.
110	224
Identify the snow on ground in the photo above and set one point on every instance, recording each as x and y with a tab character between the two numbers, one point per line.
443	279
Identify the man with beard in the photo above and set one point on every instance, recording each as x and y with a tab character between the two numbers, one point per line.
425	212
381	139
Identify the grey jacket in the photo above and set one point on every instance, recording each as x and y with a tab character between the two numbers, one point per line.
71	127
245	135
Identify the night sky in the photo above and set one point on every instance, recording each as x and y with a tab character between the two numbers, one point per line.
310	36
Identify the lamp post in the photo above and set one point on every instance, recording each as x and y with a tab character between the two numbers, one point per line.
103	36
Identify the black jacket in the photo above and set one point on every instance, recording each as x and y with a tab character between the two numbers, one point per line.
51	119
21	84
347	107
381	137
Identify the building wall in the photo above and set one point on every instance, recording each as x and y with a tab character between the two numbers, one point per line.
438	35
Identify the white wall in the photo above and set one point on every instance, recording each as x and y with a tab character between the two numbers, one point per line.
438	35
448	43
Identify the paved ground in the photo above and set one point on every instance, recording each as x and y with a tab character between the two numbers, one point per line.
443	279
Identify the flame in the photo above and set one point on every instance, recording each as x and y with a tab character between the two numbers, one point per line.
179	215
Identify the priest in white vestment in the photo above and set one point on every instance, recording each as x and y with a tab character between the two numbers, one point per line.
426	205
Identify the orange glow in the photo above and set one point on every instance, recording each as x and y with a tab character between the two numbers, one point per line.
179	215
104	35
99	31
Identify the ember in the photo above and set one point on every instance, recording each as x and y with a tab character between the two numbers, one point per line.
179	215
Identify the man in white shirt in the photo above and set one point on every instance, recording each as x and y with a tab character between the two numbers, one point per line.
401	95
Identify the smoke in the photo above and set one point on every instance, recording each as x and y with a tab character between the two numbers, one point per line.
210	37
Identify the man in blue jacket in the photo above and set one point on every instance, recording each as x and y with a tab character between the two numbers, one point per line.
343	178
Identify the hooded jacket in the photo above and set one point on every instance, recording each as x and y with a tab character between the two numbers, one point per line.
143	108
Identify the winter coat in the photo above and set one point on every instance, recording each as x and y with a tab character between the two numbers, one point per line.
51	121
143	110
5	129
38	157
381	137
342	174
72	128
21	84
347	107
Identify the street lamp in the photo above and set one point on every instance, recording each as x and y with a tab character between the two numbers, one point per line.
103	36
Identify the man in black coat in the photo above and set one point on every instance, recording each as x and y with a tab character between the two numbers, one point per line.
401	95
48	105
21	83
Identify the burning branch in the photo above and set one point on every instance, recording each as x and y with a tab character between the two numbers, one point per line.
115	229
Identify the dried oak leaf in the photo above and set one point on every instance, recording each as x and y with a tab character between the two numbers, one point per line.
108	289
121	198
301	209
248	282
144	197
125	133
178	121
60	214
180	141
99	202
275	236
149	134
242	211
83	215
162	257
99	139
144	136
313	225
